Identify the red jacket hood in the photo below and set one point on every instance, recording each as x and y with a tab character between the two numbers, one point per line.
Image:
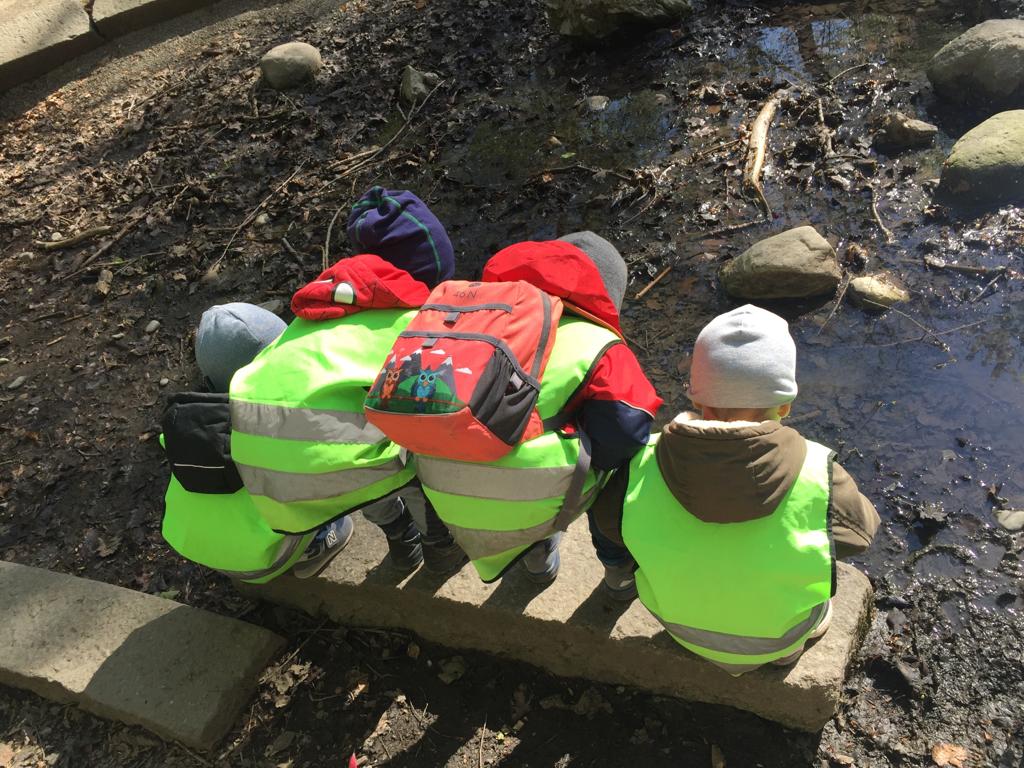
352	285
561	269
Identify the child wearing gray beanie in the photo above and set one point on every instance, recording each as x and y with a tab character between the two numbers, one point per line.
734	520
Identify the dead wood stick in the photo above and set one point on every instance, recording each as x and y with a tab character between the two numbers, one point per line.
713	150
757	146
657	279
848	70
252	214
104	248
731	228
67	242
984	290
839	300
480	750
878	219
933	262
327	241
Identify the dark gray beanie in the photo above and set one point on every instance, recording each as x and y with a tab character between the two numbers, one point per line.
607	260
230	336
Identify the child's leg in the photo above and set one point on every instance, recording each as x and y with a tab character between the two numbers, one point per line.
821	629
392	516
541	561
619	566
608	552
441	553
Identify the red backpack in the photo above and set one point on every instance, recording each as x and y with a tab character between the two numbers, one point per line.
461	382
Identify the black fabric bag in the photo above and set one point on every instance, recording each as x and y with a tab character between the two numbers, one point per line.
197	436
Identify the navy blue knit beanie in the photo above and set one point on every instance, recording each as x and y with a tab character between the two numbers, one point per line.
398	227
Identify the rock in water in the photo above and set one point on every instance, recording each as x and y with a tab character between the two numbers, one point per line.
899	132
984	66
986	166
416	85
1011	519
290	64
595	20
876	293
789	265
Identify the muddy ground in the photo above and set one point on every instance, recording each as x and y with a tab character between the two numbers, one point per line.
167	138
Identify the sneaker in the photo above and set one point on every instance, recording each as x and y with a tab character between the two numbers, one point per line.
405	546
324	547
542	560
620	581
444	556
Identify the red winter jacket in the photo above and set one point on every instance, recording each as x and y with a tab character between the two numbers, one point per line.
357	283
618	403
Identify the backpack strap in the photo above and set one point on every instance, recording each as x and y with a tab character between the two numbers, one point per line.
574	501
564	415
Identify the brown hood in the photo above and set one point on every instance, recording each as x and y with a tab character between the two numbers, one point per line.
725	472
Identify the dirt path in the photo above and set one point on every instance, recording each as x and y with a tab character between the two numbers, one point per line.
172	144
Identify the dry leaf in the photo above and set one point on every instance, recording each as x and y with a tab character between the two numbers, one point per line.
949	754
6	755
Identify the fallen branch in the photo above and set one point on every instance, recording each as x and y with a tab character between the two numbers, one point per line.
658	278
984	290
731	228
933	262
839	300
327	241
848	70
104	248
252	214
878	219
757	146
67	242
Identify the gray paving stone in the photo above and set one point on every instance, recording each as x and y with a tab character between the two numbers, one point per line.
183	673
572	629
37	36
118	17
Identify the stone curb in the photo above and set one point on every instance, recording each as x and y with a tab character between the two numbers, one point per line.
40	36
183	673
574	630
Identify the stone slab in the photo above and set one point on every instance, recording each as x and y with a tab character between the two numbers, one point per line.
40	35
183	673
572	629
118	17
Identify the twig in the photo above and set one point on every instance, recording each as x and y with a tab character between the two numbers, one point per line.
713	150
327	242
757	146
839	300
848	70
254	211
731	228
935	263
288	247
67	242
878	219
480	750
587	168
104	248
825	133
657	279
987	286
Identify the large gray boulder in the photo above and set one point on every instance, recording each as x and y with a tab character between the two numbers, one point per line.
986	167
290	64
789	265
595	20
983	67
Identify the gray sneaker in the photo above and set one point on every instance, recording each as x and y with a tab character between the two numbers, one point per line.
542	561
620	581
324	547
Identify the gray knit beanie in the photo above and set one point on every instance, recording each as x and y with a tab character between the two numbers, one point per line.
744	359
230	336
607	260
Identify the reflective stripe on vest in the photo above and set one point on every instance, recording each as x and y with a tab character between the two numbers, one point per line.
314	425
498	509
225	532
736	593
299	437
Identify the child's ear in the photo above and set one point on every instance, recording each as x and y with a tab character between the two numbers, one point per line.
784	410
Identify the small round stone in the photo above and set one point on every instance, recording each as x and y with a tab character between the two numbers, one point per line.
152	326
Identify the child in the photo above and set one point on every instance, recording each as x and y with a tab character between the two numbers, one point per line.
734	520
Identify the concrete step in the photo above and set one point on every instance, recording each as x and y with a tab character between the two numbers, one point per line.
572	629
183	673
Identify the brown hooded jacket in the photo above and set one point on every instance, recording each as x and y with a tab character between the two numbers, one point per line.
731	472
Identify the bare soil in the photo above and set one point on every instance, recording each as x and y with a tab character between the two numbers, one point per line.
172	143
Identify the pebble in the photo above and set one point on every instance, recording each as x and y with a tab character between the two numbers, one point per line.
17	382
164	382
262	220
55	236
152	326
4	360
597	103
1011	519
